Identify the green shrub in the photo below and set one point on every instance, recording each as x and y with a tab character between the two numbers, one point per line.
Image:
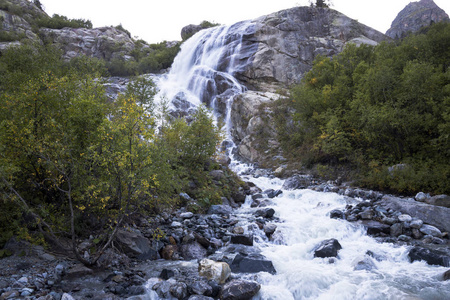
59	22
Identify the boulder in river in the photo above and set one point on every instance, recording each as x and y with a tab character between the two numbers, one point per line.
430	256
327	248
239	290
245	264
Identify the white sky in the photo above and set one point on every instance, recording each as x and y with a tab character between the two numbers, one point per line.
158	20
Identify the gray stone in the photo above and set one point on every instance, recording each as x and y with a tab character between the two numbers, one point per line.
193	250
430	230
220	210
243	239
239	290
135	245
440	200
417	223
415	16
243	264
431	256
186	215
405	218
269	229
327	248
365	263
421	196
430	214
396	229
297	182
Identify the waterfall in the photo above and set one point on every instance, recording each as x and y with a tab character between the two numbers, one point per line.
203	73
203	70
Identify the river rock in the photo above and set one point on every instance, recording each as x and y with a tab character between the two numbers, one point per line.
239	290
135	245
220	210
396	229
421	196
179	290
327	248
186	215
337	214
405	218
200	287
416	223
217	271
440	200
365	263
193	250
446	275
269	229
430	214
244	264
375	227
430	230
265	212
243	239
297	182
432	257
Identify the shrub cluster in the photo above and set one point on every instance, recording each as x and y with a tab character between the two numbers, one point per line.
372	108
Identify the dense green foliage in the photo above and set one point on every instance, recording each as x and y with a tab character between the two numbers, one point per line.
148	58
59	22
376	107
71	160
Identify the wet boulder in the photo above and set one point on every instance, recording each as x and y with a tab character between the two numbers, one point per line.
239	290
220	210
136	246
245	264
297	182
430	256
243	239
193	250
365	263
265	212
327	248
337	214
375	227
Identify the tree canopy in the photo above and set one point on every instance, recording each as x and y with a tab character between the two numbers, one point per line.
376	107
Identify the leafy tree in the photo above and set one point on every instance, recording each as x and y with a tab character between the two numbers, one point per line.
374	107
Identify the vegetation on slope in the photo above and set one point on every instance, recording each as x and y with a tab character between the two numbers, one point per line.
382	112
73	163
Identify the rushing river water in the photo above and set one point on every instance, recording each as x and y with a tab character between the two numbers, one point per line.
201	70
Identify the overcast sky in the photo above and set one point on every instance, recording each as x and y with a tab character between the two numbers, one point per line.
158	20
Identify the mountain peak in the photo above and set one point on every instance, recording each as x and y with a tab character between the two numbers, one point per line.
415	16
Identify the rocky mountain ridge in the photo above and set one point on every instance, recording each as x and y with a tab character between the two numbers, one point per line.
415	16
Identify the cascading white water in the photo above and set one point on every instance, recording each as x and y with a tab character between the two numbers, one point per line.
304	222
202	72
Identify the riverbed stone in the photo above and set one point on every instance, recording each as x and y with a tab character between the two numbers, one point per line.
239	290
404	218
440	200
243	239
429	214
269	229
220	210
245	264
430	230
337	214
327	248
430	256
366	263
193	250
396	229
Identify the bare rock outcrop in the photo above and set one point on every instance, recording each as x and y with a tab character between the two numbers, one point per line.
415	16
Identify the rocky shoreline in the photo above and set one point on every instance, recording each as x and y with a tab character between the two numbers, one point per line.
183	255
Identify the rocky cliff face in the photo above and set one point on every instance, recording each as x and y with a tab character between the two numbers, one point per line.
18	22
415	16
285	44
103	43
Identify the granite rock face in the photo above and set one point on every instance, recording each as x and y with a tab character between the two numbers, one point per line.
103	43
415	16
289	40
